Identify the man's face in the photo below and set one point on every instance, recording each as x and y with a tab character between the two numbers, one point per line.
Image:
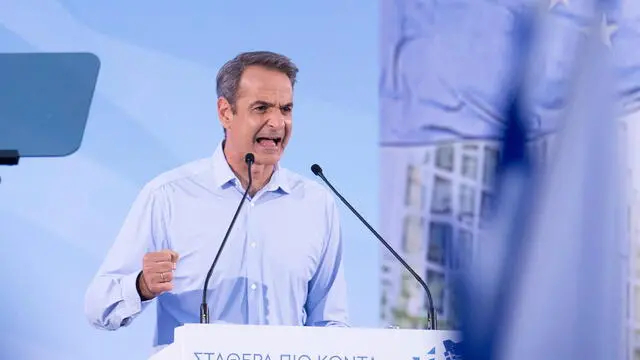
261	123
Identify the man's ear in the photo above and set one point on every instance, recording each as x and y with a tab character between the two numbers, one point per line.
225	112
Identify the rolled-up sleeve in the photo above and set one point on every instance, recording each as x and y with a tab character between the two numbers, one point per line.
112	300
327	294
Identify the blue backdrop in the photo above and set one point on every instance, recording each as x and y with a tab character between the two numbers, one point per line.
154	109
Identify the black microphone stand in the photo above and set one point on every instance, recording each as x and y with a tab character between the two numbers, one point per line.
204	308
432	322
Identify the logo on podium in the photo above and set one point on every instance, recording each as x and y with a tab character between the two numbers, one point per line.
452	351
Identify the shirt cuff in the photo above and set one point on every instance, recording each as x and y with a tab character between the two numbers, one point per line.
132	303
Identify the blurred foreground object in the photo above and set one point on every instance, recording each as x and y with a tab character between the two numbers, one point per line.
548	282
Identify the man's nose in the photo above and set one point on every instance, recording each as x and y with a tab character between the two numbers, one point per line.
276	121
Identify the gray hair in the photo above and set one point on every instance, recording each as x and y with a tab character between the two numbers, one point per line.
228	79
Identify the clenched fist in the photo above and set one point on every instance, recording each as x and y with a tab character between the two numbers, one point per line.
157	273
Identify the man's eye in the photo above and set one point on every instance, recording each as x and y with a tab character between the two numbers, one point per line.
286	109
261	108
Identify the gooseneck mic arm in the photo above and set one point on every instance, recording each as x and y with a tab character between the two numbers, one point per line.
204	308
432	323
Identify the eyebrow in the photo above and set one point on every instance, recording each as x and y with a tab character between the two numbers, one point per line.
268	104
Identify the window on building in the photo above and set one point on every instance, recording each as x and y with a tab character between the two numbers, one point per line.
440	237
445	157
413	234
490	163
414	193
470	166
441	198
486	205
467	204
435	279
472	148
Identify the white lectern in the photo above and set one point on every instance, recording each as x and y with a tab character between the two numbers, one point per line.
258	342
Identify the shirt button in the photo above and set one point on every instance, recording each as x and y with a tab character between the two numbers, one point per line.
253	286
253	244
253	204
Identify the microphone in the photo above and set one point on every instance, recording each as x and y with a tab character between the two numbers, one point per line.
432	323
249	159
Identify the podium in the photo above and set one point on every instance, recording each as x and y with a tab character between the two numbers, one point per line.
263	342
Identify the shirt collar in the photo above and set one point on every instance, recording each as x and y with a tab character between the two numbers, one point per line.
223	175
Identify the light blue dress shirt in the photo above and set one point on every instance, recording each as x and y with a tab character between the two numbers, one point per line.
282	264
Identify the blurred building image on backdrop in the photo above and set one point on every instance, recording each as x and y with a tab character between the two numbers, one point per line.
438	224
438	118
447	192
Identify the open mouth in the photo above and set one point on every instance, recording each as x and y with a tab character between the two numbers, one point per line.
269	141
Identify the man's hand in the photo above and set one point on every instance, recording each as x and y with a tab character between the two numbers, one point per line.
157	273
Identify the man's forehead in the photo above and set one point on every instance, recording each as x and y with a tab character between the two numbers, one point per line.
265	84
273	95
269	94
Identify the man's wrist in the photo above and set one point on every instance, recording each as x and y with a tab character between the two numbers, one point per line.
141	288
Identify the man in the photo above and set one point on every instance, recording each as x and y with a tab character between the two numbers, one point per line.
282	264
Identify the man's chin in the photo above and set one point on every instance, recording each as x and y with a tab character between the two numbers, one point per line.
267	159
